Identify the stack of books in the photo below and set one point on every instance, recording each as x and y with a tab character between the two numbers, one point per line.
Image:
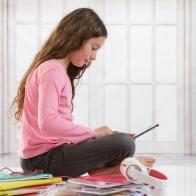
19	183
100	183
91	187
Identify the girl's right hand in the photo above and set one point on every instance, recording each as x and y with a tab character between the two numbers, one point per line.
103	131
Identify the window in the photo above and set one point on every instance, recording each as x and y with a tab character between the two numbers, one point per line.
138	78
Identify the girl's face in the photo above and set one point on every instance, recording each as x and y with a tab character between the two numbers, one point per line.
87	52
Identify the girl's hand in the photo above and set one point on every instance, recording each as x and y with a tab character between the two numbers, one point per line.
130	135
103	131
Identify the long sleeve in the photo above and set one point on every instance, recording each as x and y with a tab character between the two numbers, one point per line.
51	122
46	119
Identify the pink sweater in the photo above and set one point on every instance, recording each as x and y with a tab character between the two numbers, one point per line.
46	120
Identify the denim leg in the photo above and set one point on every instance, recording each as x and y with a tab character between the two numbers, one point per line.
77	159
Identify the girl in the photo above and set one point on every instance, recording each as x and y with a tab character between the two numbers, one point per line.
50	140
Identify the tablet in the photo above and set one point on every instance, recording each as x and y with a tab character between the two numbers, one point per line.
146	130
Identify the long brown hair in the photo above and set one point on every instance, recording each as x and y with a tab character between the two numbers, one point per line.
70	34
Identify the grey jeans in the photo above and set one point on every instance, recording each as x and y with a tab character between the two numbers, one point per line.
76	159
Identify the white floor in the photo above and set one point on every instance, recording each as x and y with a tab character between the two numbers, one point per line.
180	169
181	172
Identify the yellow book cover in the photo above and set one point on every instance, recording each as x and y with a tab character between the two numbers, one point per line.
25	183
18	192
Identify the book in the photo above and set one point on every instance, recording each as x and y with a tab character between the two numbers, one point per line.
26	190
25	183
93	191
19	192
6	177
72	188
96	184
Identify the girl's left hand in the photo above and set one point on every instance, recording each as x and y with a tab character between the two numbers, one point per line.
131	135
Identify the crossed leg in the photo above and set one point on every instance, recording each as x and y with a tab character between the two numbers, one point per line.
147	161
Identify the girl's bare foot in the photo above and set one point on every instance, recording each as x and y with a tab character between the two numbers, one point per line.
146	161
